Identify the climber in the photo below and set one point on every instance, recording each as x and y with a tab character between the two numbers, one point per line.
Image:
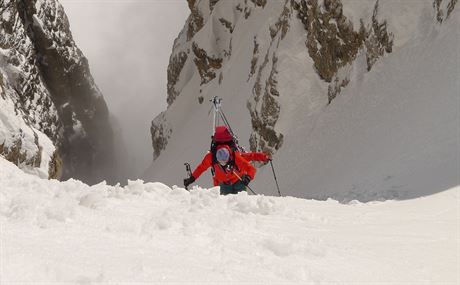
231	169
231	172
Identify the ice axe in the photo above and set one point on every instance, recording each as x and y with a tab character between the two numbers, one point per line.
189	171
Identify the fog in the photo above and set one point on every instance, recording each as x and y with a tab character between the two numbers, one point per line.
128	44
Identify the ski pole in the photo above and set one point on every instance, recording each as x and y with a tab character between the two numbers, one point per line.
189	171
242	181
274	175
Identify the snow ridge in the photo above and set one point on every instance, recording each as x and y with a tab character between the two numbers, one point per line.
148	232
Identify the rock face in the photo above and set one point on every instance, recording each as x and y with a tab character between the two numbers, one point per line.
47	80
161	132
444	9
332	42
269	58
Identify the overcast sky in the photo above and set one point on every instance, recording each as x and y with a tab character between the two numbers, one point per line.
128	44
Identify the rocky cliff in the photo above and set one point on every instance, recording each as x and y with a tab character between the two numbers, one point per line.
276	64
49	97
331	42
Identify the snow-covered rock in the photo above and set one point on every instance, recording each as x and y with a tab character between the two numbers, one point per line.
305	80
52	116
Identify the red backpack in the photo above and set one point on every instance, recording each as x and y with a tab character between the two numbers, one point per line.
222	136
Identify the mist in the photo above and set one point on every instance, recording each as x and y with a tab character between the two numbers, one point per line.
128	44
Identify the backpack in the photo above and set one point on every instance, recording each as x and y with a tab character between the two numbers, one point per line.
222	136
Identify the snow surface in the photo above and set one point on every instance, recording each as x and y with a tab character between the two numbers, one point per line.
392	133
68	232
407	20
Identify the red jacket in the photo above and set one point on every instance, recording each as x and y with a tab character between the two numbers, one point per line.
255	156
225	176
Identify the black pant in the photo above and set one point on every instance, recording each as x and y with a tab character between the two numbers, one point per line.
232	188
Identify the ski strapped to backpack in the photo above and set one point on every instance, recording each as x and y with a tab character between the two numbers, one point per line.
222	134
218	116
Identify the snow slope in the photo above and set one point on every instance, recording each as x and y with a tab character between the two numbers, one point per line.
392	132
67	232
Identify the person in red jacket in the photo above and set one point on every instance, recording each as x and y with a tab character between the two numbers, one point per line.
249	156
231	169
231	172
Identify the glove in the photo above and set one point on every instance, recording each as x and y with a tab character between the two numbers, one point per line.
188	181
267	158
245	179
